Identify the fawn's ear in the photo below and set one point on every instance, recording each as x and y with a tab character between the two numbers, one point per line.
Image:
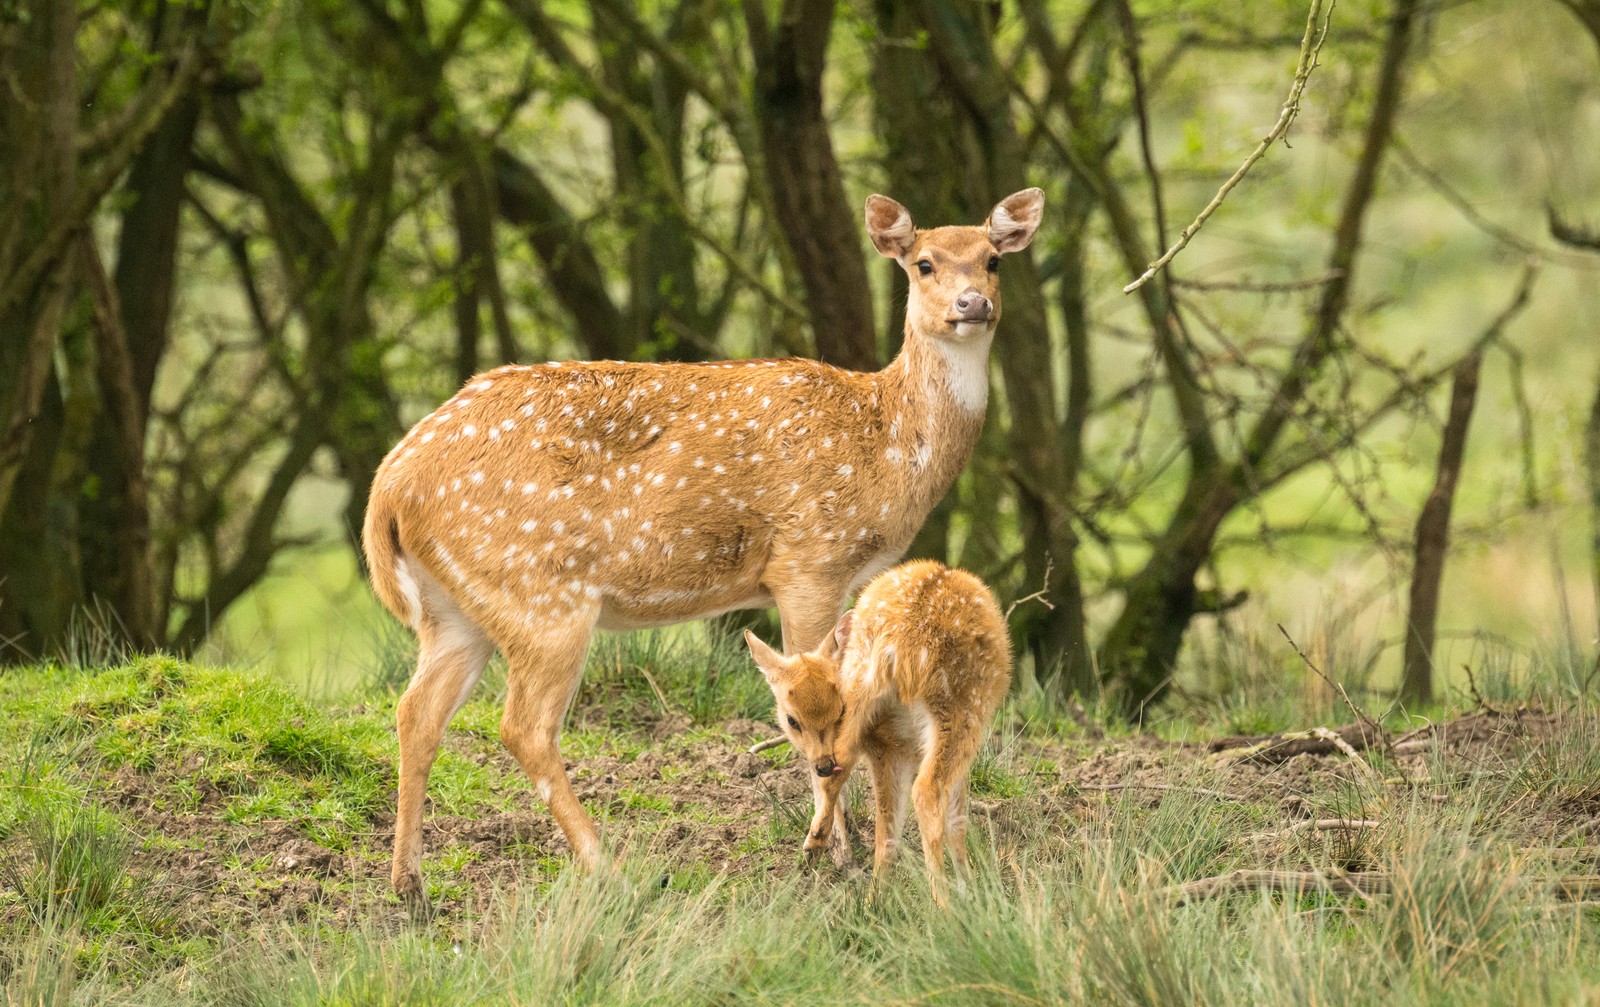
889	225
1014	219
837	640
772	664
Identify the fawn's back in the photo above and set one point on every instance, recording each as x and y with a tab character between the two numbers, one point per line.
934	637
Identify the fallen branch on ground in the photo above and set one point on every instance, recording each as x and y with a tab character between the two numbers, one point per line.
762	746
1277	748
1367	884
1202	791
1317	825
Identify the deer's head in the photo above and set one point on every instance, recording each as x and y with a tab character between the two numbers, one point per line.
810	705
954	271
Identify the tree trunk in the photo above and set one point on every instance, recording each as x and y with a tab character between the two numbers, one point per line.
115	516
816	219
38	172
1433	537
576	279
961	40
1592	459
133	316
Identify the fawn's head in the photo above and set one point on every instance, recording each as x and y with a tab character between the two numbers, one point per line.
954	271
810	705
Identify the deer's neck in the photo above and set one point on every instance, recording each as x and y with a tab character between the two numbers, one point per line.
937	390
942	379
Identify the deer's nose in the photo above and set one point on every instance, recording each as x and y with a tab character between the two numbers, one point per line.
972	306
825	766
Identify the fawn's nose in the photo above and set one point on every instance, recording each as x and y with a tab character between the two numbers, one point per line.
972	306
825	766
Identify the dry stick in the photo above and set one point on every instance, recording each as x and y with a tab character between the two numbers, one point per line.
1364	883
1568	888
1361	714
1317	825
1202	791
762	746
1310	47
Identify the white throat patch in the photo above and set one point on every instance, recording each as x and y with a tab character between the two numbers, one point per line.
966	361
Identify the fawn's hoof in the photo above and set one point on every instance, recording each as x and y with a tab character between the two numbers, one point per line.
415	898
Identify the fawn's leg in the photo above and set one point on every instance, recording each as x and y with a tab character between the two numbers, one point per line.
892	772
453	651
956	823
827	820
945	763
544	670
807	613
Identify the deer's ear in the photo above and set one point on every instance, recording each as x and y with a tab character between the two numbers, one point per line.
772	664
1013	220
889	225
837	640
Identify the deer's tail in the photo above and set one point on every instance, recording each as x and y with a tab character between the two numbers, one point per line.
387	565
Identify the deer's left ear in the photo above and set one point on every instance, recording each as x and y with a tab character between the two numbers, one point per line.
1014	220
772	664
837	640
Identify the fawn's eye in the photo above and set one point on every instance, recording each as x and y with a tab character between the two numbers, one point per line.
994	263
925	266
794	723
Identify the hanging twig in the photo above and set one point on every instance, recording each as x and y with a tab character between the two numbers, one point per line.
1310	47
1041	596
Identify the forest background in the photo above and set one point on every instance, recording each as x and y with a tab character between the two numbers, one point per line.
243	246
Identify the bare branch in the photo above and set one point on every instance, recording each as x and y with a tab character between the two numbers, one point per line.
1310	47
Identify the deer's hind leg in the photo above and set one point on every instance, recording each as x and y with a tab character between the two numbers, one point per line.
893	769
543	672
946	759
452	653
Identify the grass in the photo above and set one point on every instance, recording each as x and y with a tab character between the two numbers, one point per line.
178	834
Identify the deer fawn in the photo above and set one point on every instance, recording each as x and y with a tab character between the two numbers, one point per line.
543	502
910	679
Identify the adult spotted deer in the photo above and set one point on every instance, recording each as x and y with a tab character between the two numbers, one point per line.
544	502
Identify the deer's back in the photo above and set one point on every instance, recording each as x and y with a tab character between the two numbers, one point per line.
661	490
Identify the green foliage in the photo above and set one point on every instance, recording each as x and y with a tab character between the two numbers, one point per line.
702	671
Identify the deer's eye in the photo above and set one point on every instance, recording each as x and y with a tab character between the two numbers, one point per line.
925	266
794	723
994	263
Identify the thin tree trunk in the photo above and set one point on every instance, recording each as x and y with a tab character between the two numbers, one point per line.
1592	458
123	424
816	219
1433	537
468	288
38	172
960	38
